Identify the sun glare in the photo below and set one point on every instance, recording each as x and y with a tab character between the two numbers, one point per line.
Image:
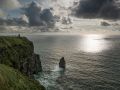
93	44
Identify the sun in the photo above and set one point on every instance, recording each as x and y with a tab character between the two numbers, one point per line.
93	44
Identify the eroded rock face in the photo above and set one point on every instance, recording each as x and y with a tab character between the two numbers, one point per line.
62	63
18	52
31	66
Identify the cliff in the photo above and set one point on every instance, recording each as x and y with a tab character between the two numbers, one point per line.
18	62
18	52
11	79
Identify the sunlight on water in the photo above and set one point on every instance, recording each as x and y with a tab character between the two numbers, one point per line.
93	43
57	68
92	61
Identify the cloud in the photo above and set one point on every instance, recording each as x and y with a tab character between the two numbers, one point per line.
9	4
43	3
2	13
38	17
24	18
98	9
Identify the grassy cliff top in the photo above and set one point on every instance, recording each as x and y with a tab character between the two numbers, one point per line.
11	79
14	49
6	41
18	53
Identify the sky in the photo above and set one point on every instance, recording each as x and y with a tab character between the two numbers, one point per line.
85	8
99	8
9	6
12	7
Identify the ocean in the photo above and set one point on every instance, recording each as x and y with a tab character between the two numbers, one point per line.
92	61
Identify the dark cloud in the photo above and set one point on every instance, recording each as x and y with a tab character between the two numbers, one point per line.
46	15
98	9
37	16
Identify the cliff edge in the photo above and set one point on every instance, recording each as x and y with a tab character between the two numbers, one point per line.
18	52
17	61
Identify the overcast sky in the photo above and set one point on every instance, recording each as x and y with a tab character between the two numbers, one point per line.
12	7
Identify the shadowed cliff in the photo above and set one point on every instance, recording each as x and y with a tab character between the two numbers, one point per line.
18	53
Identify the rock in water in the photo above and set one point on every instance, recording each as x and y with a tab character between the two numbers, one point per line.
105	23
62	63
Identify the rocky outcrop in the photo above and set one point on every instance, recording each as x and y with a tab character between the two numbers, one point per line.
105	23
18	52
62	63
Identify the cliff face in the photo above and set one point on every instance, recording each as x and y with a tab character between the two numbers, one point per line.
17	61
18	52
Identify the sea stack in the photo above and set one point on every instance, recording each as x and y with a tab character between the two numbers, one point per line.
62	63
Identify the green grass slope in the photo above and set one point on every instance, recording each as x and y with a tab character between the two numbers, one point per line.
14	50
11	79
18	52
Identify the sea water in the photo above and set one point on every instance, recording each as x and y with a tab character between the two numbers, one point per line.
92	61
